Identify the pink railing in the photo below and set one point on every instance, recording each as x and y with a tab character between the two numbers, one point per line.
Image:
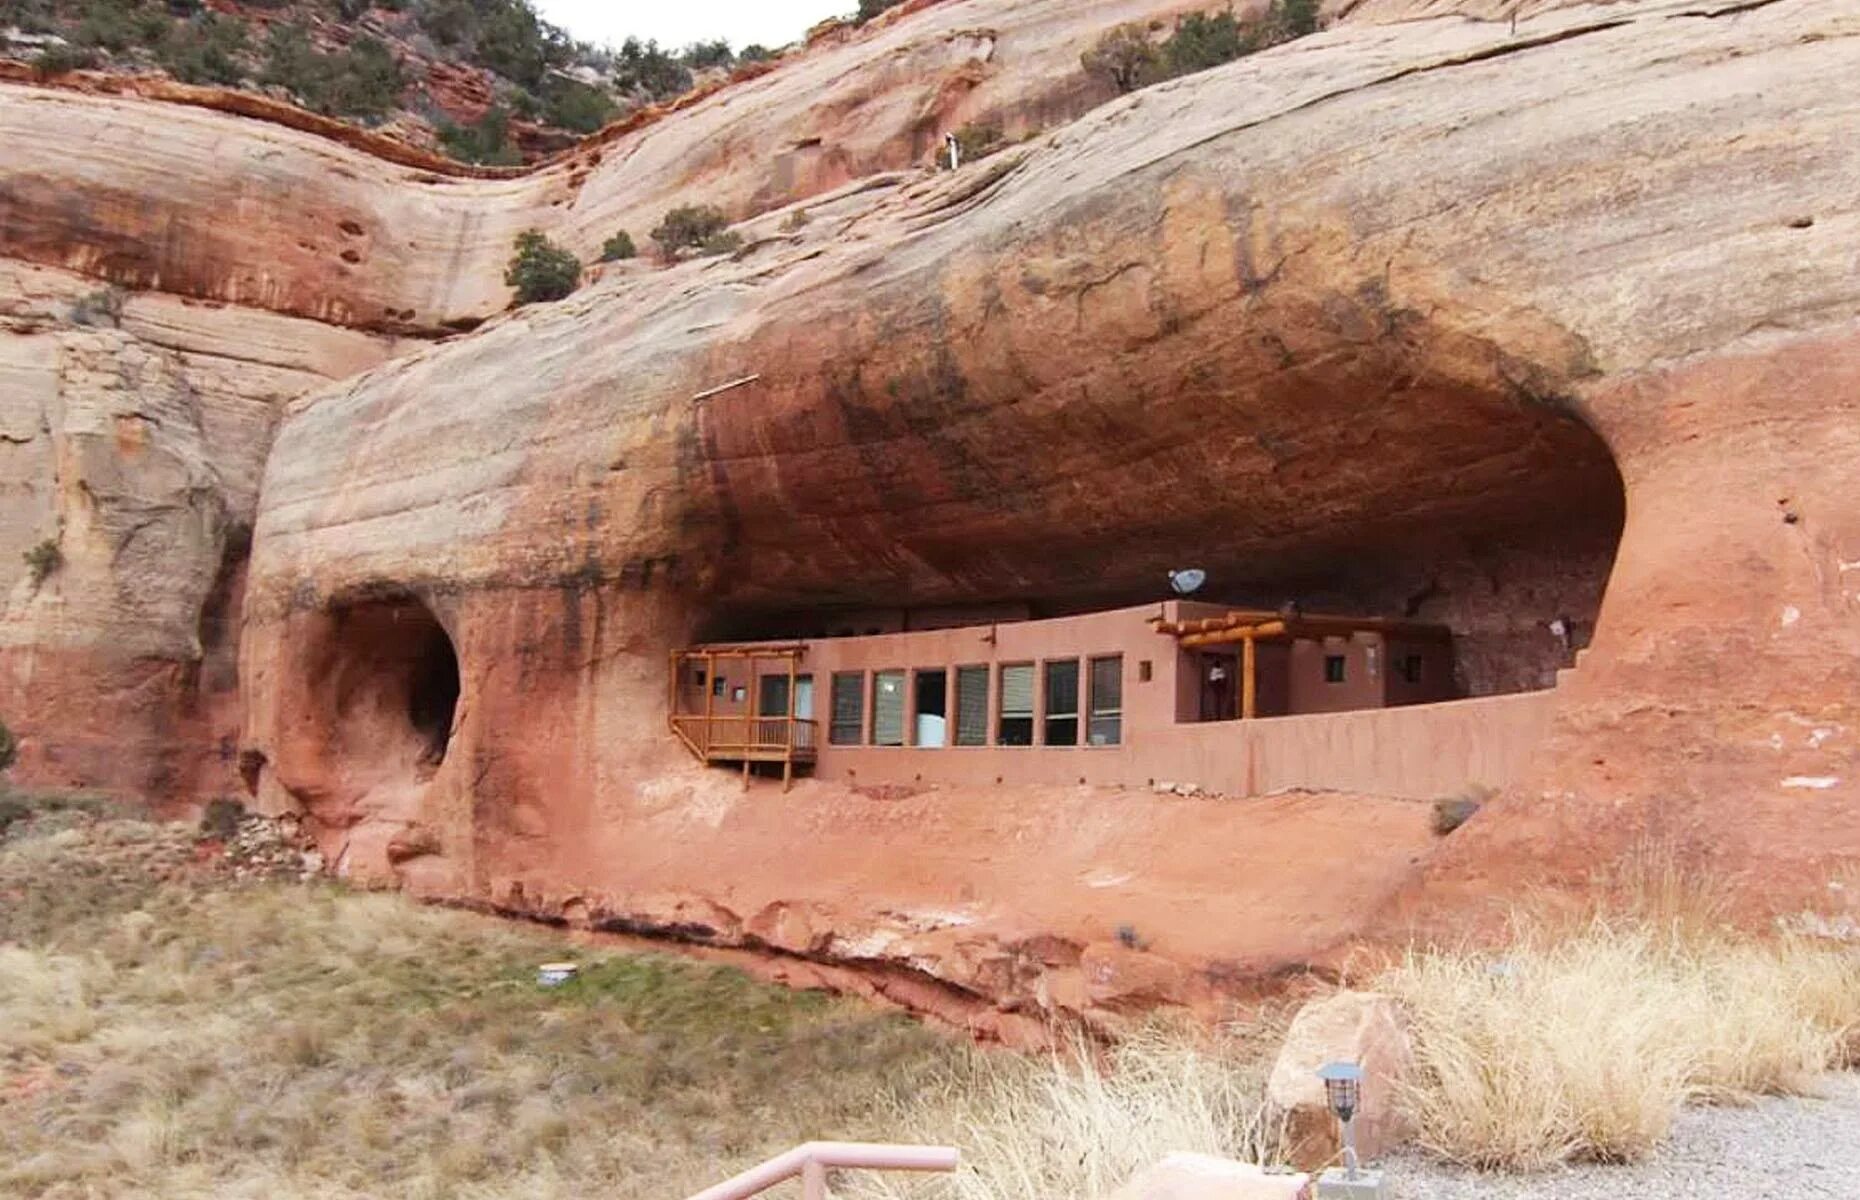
812	1160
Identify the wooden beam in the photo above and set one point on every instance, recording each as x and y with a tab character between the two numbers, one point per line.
1249	680
770	651
1239	633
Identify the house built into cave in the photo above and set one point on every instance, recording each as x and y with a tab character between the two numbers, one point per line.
1229	700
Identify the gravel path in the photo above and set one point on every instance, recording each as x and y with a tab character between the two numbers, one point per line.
1796	1149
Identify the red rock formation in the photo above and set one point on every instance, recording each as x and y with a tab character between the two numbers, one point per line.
1426	312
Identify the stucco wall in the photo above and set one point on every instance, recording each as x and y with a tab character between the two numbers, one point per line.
1421	751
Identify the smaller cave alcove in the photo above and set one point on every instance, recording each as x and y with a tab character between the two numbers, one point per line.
387	680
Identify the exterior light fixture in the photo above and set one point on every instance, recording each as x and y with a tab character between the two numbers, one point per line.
1343	1095
1187	582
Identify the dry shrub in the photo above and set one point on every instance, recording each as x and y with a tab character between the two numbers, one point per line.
1584	1043
1081	1122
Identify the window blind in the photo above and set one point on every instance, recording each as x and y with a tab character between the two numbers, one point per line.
1107	701
971	706
888	708
848	708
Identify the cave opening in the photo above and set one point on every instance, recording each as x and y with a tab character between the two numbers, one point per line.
433	694
1494	517
391	686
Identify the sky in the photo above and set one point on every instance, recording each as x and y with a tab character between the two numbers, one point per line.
678	23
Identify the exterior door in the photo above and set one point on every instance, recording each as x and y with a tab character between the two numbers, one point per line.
1219	677
773	701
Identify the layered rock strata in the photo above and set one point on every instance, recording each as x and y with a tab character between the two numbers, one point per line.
1451	308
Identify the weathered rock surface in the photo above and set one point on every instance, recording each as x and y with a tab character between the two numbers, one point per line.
132	445
1185	1176
1364	1028
1427	313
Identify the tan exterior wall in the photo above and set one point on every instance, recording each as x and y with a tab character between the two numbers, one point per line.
1344	738
1421	752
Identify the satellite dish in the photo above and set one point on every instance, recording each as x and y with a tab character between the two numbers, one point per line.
1187	583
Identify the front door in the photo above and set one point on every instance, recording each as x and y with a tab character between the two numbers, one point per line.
773	701
1219	672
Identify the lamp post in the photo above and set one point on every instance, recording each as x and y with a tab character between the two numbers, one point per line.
1343	1094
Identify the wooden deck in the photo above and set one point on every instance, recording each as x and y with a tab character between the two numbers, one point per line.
737	737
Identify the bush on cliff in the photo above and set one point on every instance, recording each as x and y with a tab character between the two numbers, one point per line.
700	56
1204	40
871	8
688	226
979	140
207	49
619	246
9	747
42	560
56	60
541	270
1128	58
647	72
361	81
569	104
1124	57
485	140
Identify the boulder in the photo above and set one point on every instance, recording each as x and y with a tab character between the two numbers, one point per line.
1366	1028
1184	1176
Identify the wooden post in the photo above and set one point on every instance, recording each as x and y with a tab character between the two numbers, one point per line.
677	665
710	700
787	761
1249	680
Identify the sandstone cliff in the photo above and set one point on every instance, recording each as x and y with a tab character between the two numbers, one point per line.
1473	314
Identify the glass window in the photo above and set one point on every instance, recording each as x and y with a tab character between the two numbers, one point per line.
1062	702
888	708
1333	668
720	686
1016	706
1107	701
971	706
1410	668
848	708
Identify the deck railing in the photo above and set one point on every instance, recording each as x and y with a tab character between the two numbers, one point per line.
734	737
812	1160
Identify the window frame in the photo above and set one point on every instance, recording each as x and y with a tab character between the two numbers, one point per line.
834	724
958	730
1000	714
903	675
1089	702
1047	716
1342	664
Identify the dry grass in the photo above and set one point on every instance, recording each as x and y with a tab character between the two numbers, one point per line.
169	1036
1583	1043
179	1040
188	1038
1081	1123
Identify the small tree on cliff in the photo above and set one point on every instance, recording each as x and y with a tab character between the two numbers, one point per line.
688	225
9	747
541	270
617	247
1125	56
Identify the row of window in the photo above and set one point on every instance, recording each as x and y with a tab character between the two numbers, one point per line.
1029	698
